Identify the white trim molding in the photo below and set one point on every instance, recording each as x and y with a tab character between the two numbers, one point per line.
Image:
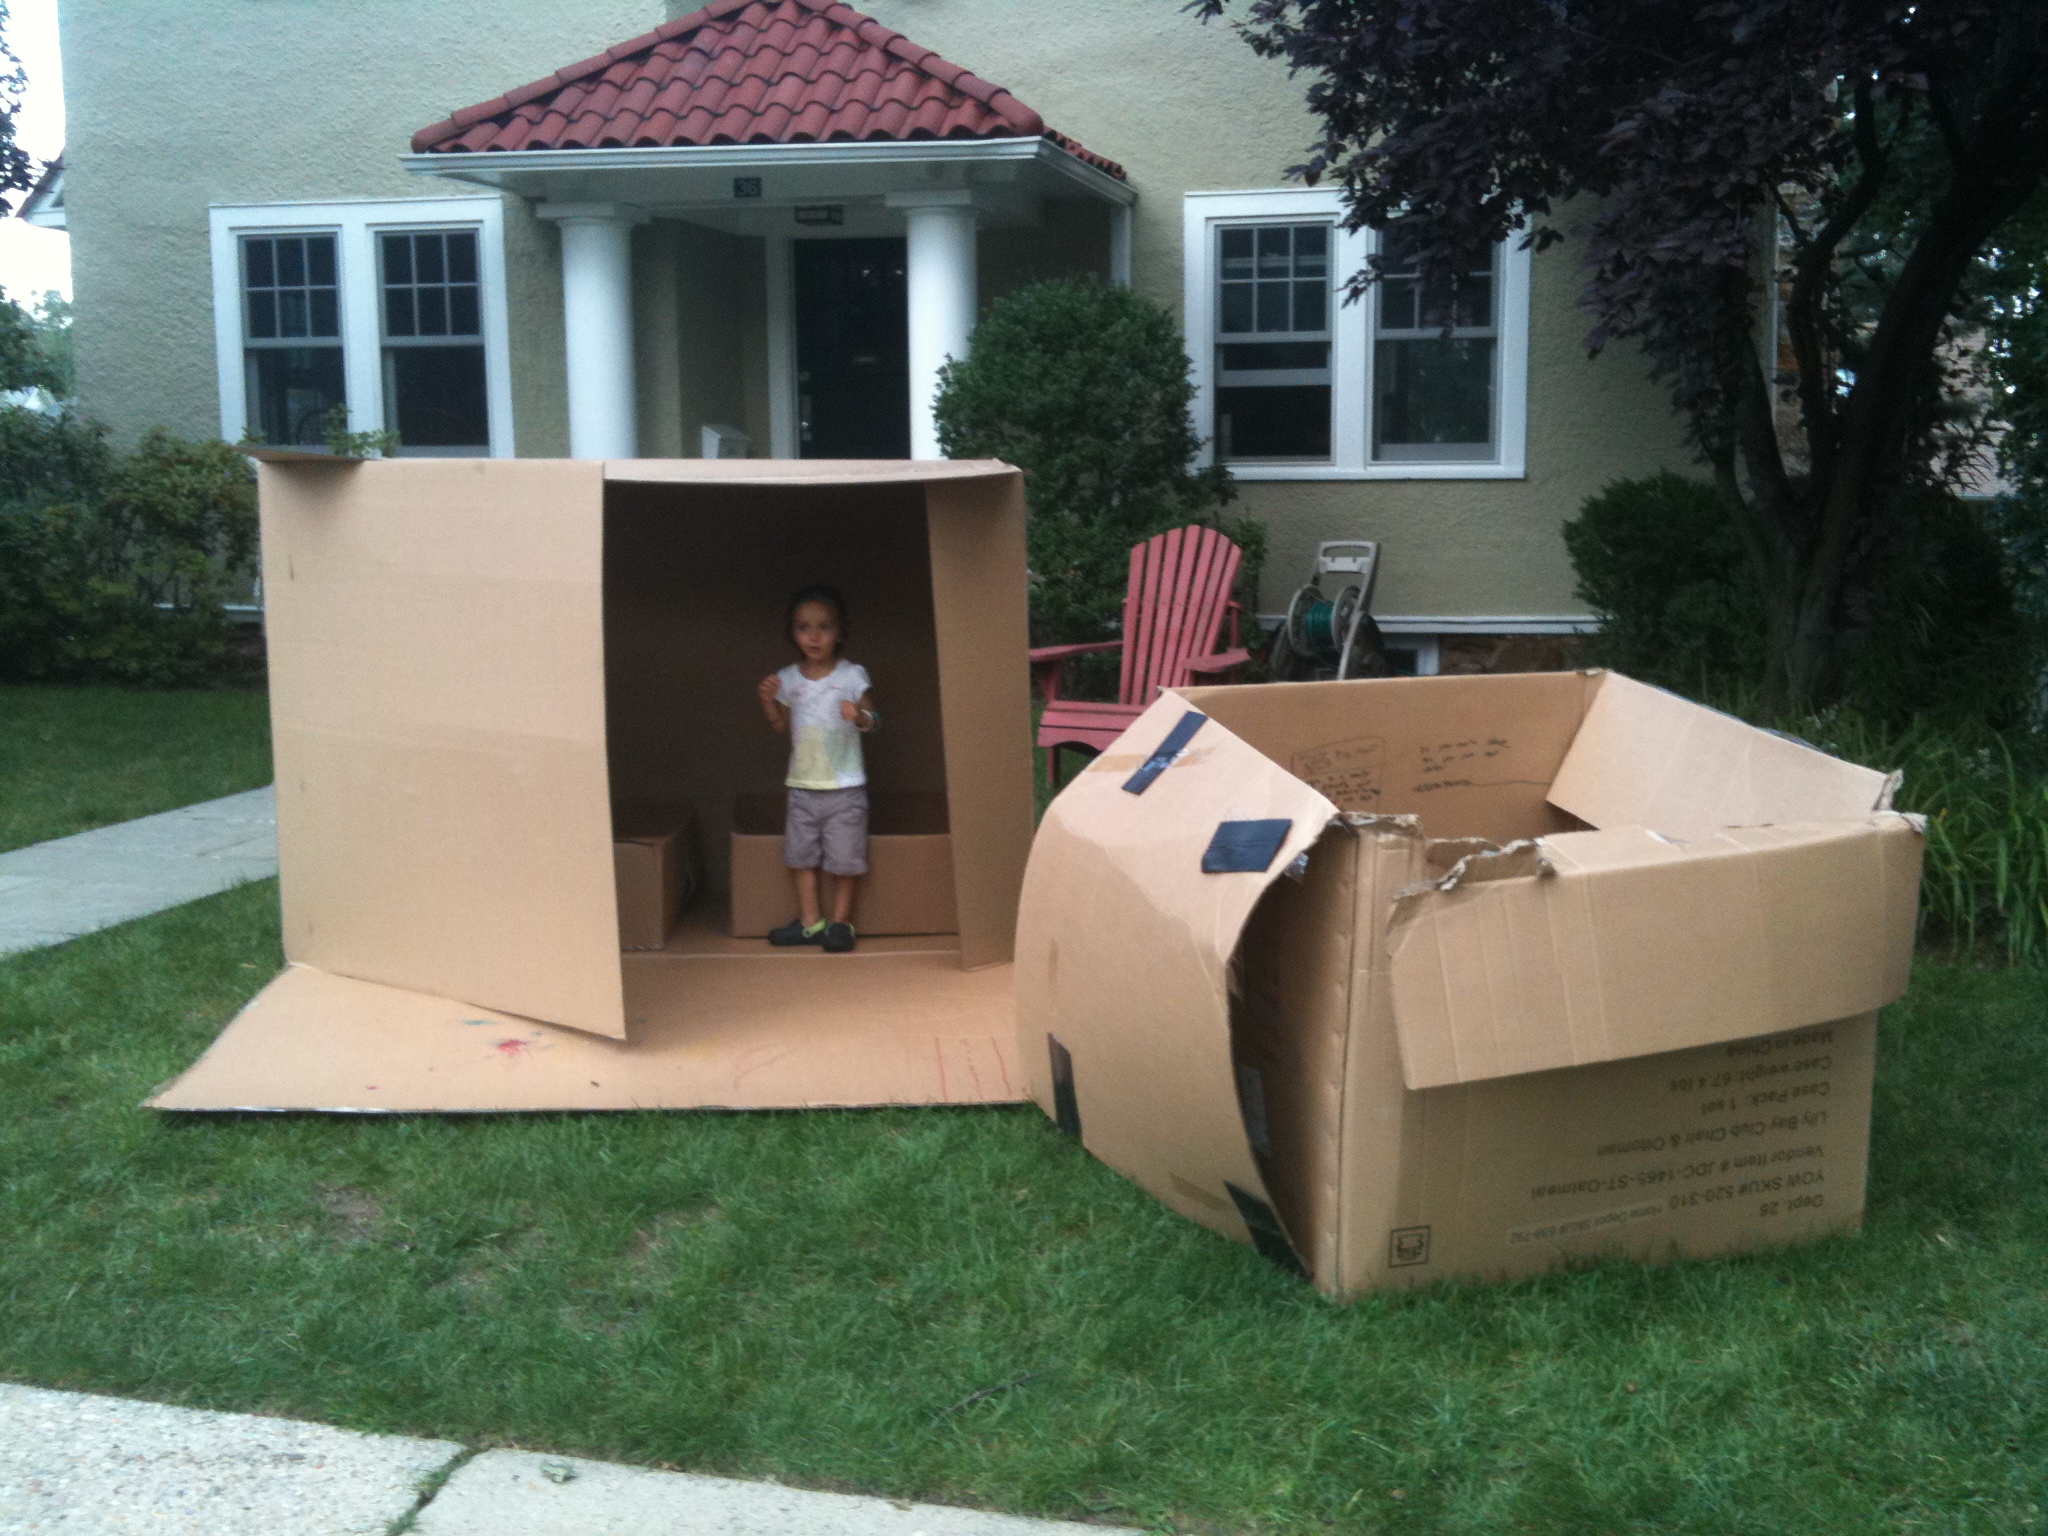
1350	340
356	225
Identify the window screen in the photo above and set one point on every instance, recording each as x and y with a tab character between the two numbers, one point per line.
434	395
1273	341
1434	358
291	330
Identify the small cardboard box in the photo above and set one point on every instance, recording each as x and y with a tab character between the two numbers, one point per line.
908	888
1490	972
475	662
654	872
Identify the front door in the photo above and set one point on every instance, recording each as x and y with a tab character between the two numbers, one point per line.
852	350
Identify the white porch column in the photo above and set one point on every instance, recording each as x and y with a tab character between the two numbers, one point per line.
597	320
939	273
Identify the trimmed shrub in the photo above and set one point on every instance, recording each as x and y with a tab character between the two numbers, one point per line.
114	568
1932	626
1085	387
1661	565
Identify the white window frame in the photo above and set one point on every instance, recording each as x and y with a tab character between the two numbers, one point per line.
356	226
1351	343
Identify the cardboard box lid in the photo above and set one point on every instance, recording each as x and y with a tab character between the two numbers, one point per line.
1152	1083
1647	758
1595	946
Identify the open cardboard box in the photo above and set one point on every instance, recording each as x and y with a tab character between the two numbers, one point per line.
1495	972
473	662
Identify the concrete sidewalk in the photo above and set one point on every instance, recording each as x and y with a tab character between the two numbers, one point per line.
102	1466
54	891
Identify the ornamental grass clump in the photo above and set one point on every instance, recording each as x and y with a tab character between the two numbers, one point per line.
1085	387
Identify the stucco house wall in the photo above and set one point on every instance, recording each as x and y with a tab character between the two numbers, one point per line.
1186	107
179	104
174	105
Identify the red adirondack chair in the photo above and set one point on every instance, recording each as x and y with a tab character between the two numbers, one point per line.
1174	613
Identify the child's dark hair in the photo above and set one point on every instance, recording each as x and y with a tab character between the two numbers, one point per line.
831	597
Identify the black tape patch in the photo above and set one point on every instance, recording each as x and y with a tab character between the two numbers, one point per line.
1267	1234
1161	760
1066	1109
1241	847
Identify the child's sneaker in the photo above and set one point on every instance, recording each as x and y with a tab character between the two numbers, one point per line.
838	938
794	932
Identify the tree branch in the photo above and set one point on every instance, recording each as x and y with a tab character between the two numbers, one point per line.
1813	281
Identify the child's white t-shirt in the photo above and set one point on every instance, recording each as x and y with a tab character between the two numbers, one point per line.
824	746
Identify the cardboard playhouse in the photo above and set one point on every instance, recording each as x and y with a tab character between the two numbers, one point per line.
1413	978
516	731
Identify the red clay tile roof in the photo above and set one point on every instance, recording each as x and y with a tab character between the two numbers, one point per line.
750	72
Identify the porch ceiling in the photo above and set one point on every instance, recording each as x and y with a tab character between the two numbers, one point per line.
716	184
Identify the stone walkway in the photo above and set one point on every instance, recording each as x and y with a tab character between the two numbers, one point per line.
53	891
103	1466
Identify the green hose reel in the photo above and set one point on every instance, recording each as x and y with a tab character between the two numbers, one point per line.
1330	634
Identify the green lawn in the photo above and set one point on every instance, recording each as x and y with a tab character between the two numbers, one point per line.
818	1297
75	758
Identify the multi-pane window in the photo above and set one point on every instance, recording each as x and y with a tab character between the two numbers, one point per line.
291	330
1434	358
434	391
1273	341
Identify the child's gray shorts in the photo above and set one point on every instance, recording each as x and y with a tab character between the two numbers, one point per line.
827	829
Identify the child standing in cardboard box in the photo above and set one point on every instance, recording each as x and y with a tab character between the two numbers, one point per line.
824	705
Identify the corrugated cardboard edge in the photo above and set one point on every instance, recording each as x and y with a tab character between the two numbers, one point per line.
1152	1088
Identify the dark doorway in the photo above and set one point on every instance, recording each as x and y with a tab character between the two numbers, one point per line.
852	350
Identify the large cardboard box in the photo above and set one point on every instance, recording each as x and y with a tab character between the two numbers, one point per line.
472	662
1413	978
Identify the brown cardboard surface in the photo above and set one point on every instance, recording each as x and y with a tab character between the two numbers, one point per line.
711	1029
1122	950
1720	1149
1455	1057
981	615
908	888
474	662
697	576
1471	756
435	630
1647	758
649	880
1632	944
1289	1032
802	472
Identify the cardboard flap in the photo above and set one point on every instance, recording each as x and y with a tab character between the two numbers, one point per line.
1647	758
1626	943
436	641
1144	1048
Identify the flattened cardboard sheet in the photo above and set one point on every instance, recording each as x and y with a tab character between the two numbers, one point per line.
1635	944
711	1030
436	644
1148	1043
1647	758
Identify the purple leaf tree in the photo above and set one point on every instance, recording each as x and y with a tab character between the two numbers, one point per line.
1734	176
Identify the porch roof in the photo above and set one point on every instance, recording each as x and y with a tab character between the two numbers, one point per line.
750	72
